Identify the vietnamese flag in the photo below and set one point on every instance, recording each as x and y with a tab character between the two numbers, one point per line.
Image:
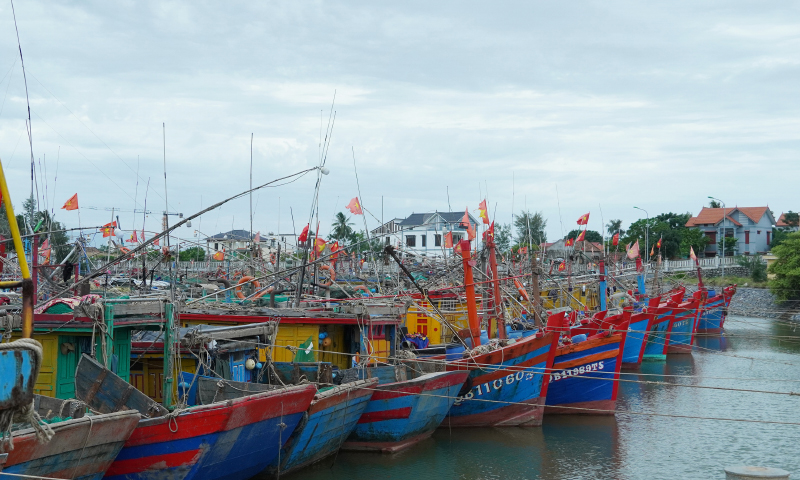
319	243
691	253
484	213
72	203
457	249
471	232
633	251
658	244
448	240
615	239
108	229
570	242
355	207
303	238
584	219
582	236
465	220
562	266
134	237
219	256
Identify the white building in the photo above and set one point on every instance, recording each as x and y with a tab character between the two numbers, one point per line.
423	233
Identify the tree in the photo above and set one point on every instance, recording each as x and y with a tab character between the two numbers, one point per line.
502	237
730	246
668	227
615	226
779	235
530	228
786	268
359	244
591	235
714	204
195	253
693	239
791	218
341	228
756	265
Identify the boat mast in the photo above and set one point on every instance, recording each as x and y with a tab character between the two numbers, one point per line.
497	300
469	286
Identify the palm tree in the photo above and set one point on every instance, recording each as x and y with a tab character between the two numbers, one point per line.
614	226
341	228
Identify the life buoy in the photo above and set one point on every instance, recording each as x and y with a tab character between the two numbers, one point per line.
272	258
363	289
521	290
242	281
331	272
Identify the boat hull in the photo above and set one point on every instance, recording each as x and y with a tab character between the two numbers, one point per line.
683	327
401	414
330	419
657	339
713	314
82	448
584	377
507	387
634	341
231	440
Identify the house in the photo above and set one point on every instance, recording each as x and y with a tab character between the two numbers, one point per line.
423	233
559	250
749	227
388	232
235	241
781	223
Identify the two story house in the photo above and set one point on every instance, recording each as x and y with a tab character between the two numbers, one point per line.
750	228
423	233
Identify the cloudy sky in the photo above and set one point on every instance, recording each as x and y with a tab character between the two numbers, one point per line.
586	105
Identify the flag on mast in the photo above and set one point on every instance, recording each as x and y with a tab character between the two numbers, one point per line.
691	253
615	239
584	219
633	251
355	207
484	212
72	203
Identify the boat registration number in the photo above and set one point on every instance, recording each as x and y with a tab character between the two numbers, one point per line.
574	372
496	384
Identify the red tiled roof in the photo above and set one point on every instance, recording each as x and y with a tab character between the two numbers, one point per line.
714	215
782	221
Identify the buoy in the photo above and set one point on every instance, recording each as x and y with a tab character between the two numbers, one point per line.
331	271
250	364
256	285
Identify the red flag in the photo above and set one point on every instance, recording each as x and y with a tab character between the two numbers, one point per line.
584	219
319	243
72	203
633	252
157	240
489	233
570	242
465	220
457	248
581	236
484	213
355	207
448	240
143	234
615	239
257	237
108	229
562	266
658	244
219	256
303	238
134	238
652	250
471	231
523	250
691	253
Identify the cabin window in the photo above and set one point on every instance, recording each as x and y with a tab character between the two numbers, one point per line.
216	246
747	237
424	239
411	240
437	240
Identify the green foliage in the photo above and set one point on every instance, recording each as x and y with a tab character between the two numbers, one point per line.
786	268
530	228
341	228
714	204
791	218
778	236
695	239
615	226
502	237
756	265
359	244
195	253
730	246
669	227
591	235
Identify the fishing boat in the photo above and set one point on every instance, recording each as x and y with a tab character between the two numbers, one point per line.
657	339
640	324
684	324
226	440
715	310
402	412
585	373
326	424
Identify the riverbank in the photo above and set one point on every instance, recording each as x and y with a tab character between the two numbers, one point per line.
760	302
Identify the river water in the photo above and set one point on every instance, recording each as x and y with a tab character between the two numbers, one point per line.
756	354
